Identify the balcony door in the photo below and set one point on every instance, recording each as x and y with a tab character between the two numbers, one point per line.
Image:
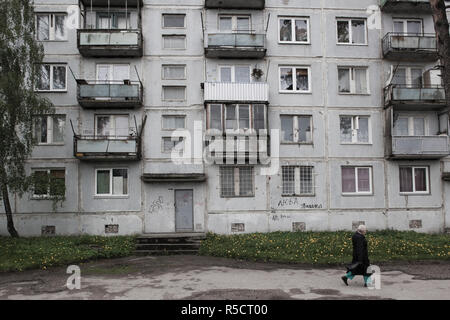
115	73
408	76
409	126
112	126
112	20
409	26
228	23
236	74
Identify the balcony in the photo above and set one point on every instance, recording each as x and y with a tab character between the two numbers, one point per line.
407	97
410	47
109	94
107	149
229	92
420	147
110	42
234	4
236	46
402	6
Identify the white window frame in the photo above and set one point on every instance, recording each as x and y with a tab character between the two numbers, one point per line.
173	65
353	80
350	32
53	65
293	30
47	195
294	79
237	178
370	192
427	177
50	123
297	181
113	121
164	36
234	24
180	140
236	112
173	14
233	72
295	129
405	24
173	86
411	119
173	116
355	128
52	25
110	194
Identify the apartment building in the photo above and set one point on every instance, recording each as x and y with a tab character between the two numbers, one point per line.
331	114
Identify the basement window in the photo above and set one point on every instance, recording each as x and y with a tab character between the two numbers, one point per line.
298	180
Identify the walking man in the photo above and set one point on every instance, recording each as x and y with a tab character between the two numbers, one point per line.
360	261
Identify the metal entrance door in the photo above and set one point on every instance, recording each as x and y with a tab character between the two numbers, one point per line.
184	211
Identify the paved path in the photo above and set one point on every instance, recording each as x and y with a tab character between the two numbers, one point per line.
194	277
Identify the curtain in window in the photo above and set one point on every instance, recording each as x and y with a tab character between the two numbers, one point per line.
346	128
406	184
225	74
304	128
286	79
242	74
41	129
363	179
103	182
285	30
401	127
302	79
43	30
173	72
104	126
60	32
243	24
44	77
343	32
414	27
120	178
59	124
225	24
358	31
363	132
360	81
344	80
59	77
420	179
419	126
301	30
287	128
348	179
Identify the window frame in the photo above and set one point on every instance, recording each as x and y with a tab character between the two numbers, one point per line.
294	79
295	129
165	36
352	78
355	131
113	121
350	32
51	89
46	196
405	24
358	193
234	24
297	183
173	65
110	194
173	14
51	27
293	19
180	140
237	181
427	182
411	127
173	116
233	72
50	129
173	86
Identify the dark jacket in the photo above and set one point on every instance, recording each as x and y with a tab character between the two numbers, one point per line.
360	255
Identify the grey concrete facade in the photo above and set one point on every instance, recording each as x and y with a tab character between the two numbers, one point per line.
149	206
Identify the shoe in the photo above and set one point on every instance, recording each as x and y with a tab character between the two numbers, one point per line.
344	278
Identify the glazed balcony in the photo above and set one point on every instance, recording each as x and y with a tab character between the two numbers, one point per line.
420	147
402	6
410	47
414	97
106	148
234	4
110	42
109	94
235	45
229	92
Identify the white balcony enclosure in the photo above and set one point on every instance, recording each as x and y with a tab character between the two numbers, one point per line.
257	92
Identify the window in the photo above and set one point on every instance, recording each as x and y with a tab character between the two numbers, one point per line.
50	129
356	180
410	26
174	42
297	180
112	126
174	72
239	74
237	117
409	126
113	72
297	129
355	129
236	181
113	20
408	76
174	20
111	182
51	27
351	31
234	23
173	122
170	144
353	80
414	180
52	77
299	83
49	183
293	30
174	93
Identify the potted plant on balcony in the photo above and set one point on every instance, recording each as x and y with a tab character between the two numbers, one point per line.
257	73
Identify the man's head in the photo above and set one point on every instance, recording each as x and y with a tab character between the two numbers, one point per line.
362	229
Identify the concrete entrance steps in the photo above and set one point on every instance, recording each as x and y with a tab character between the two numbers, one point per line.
169	243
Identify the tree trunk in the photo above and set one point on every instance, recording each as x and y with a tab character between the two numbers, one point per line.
443	43
12	231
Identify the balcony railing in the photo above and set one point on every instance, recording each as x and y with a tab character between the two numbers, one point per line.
257	92
417	97
234	4
107	148
110	42
409	46
398	6
236	45
109	94
420	147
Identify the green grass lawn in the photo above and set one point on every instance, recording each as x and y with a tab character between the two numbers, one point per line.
43	252
327	247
